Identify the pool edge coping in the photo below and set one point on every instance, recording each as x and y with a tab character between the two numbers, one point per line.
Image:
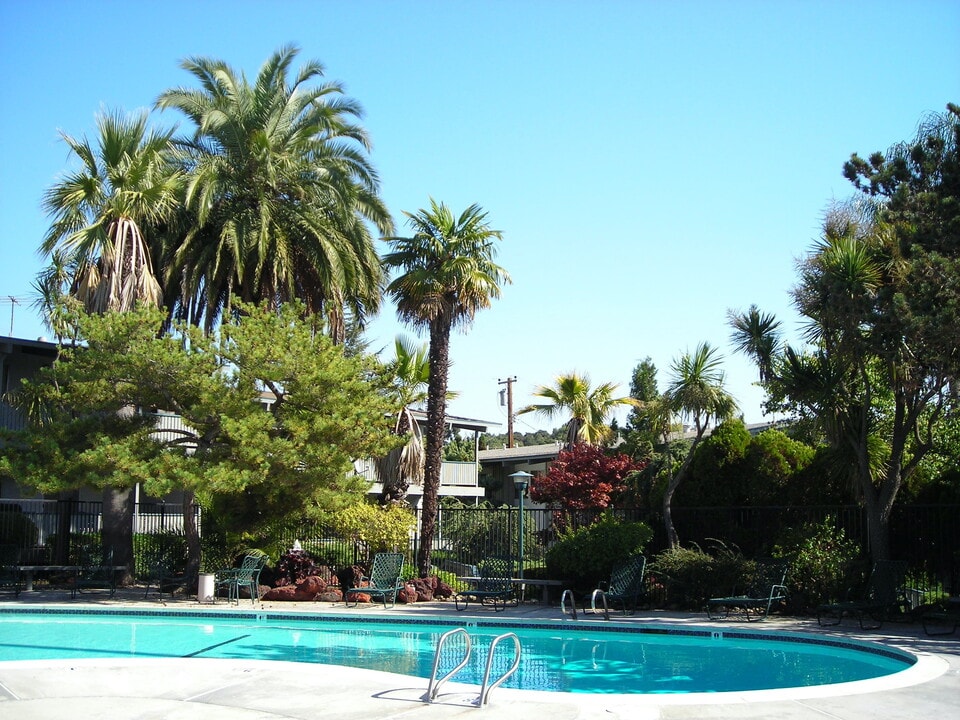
925	666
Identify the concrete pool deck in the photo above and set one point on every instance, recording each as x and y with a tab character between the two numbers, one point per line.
191	689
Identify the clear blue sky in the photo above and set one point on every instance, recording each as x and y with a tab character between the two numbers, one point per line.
651	164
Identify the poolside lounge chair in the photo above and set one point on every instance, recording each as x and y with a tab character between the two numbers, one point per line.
944	621
766	587
885	597
624	589
494	588
383	580
10	569
163	571
96	570
246	576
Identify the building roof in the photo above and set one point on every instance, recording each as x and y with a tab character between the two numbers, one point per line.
9	345
459	423
528	452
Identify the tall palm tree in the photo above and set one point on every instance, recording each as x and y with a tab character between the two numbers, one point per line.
279	196
696	393
589	408
447	274
103	214
403	466
103	217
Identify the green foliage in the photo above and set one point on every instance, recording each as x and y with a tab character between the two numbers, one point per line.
169	548
822	562
251	465
540	437
717	474
692	575
458	449
483	531
585	556
732	468
880	295
381	528
774	463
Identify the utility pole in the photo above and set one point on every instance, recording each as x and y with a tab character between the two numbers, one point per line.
509	383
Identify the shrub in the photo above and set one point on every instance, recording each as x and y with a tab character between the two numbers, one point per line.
692	575
381	528
169	548
294	566
822	562
585	556
482	531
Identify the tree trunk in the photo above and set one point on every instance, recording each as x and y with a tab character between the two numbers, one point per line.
436	423
117	533
673	540
66	508
191	532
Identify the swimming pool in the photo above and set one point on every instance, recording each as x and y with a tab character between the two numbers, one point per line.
558	657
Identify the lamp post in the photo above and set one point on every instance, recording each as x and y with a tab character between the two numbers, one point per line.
521	481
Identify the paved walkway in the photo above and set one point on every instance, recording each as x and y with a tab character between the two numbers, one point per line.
176	689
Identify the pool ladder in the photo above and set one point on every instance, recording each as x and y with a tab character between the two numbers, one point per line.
434	687
571	609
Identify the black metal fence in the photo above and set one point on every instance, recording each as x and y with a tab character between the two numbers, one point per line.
45	532
927	536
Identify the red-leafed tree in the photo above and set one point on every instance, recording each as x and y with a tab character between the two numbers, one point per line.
584	477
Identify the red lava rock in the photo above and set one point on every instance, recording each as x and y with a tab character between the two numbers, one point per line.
408	594
286	592
310	587
307	589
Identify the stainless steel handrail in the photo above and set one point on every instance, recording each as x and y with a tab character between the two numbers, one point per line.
573	604
485	689
434	687
593	603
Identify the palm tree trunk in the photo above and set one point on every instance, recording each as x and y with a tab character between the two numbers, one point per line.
436	423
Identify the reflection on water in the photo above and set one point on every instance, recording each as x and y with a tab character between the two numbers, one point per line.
570	659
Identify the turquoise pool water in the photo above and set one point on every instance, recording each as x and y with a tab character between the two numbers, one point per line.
565	657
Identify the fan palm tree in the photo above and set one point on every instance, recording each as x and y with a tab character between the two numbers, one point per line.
447	274
403	466
103	214
279	196
589	408
695	393
102	218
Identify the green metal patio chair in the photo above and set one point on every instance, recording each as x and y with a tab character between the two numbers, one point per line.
383	580
494	588
884	598
624	589
246	576
766	587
